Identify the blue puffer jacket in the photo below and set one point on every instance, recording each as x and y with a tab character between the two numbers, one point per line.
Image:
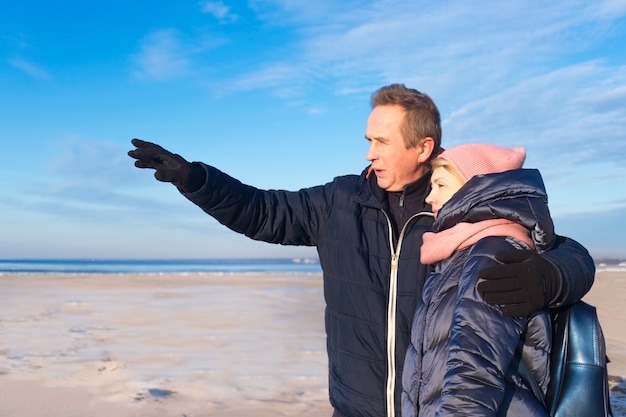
372	281
461	347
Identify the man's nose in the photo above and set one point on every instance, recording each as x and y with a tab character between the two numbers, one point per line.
372	153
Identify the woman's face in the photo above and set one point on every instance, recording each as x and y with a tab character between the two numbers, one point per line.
443	186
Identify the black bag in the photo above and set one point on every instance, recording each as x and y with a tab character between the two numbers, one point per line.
579	383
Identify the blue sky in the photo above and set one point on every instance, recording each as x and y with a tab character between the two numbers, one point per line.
276	93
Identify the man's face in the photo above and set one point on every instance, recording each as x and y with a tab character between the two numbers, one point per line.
395	165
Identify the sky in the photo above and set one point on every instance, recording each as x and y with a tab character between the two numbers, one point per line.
276	93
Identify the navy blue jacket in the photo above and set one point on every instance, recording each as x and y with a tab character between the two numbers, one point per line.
458	363
372	279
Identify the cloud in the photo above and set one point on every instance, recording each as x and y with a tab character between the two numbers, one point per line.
219	10
571	105
389	41
95	182
610	100
169	54
162	56
272	77
30	69
309	13
89	161
356	46
611	8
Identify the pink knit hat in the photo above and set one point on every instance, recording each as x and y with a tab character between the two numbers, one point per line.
481	158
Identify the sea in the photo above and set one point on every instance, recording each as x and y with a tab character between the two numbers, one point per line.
165	266
160	266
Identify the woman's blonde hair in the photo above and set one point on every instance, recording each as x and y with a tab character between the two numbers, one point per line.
443	163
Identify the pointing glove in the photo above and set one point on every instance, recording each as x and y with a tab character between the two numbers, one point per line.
522	284
169	167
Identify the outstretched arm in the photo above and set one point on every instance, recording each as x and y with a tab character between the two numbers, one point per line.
526	282
274	216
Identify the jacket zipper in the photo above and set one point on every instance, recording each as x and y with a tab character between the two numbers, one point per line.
391	310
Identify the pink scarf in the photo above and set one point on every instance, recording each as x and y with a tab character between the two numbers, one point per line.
439	246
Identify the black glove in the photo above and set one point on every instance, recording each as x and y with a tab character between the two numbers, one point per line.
169	167
521	285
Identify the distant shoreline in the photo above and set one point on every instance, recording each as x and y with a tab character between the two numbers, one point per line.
160	266
193	266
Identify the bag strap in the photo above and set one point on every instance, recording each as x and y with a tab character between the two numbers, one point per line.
518	366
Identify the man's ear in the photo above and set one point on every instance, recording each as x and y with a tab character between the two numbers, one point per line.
425	149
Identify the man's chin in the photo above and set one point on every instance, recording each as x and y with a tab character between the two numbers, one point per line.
392	188
383	184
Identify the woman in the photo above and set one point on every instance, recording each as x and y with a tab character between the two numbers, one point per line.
459	361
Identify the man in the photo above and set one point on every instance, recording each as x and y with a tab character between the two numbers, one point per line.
368	231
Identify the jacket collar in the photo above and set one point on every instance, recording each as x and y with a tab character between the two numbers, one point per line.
517	195
372	195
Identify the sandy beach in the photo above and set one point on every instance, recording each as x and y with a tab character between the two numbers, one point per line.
195	345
